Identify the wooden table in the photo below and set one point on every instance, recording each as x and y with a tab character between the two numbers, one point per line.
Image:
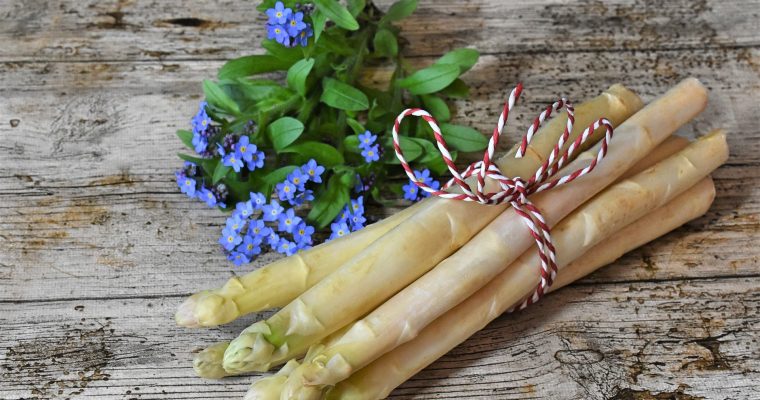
97	245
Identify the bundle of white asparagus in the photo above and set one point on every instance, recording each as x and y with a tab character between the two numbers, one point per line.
373	308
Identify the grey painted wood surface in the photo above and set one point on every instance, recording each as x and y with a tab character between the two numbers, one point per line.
97	246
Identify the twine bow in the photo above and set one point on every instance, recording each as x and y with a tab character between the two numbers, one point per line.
516	190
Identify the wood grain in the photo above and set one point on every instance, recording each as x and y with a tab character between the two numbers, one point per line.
97	246
93	30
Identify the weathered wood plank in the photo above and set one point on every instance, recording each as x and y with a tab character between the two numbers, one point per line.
78	210
92	30
696	338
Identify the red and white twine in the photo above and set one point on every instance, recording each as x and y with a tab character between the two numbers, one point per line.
516	190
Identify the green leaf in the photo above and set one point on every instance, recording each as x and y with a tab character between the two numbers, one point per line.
325	154
287	55
356	126
351	144
430	79
337	13
319	20
260	89
251	65
409	147
220	172
278	175
297	75
437	107
355	7
335	44
217	97
432	157
284	131
342	96
192	159
458	89
385	43
329	202
463	138
399	10
186	137
463	58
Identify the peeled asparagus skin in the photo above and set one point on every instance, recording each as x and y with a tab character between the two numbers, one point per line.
670	146
400	318
282	281
353	290
381	376
689	205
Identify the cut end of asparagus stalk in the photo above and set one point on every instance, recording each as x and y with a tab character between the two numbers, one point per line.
208	363
270	387
206	309
250	351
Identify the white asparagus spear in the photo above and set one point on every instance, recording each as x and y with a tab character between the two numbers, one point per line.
399	319
353	290
380	377
277	284
376	380
208	363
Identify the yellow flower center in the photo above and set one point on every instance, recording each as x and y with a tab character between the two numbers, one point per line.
230	239
286	189
311	172
242	149
288	221
279	14
276	30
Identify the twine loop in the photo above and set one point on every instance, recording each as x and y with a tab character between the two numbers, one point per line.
513	190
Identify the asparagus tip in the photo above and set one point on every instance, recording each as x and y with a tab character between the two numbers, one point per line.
208	363
295	388
185	315
267	388
206	309
270	387
251	351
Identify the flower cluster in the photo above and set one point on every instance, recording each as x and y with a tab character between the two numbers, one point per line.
350	219
412	191
190	182
370	149
243	152
202	129
287	27
256	222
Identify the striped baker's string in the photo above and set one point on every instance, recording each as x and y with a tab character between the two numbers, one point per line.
513	190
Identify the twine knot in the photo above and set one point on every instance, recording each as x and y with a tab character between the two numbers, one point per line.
516	190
